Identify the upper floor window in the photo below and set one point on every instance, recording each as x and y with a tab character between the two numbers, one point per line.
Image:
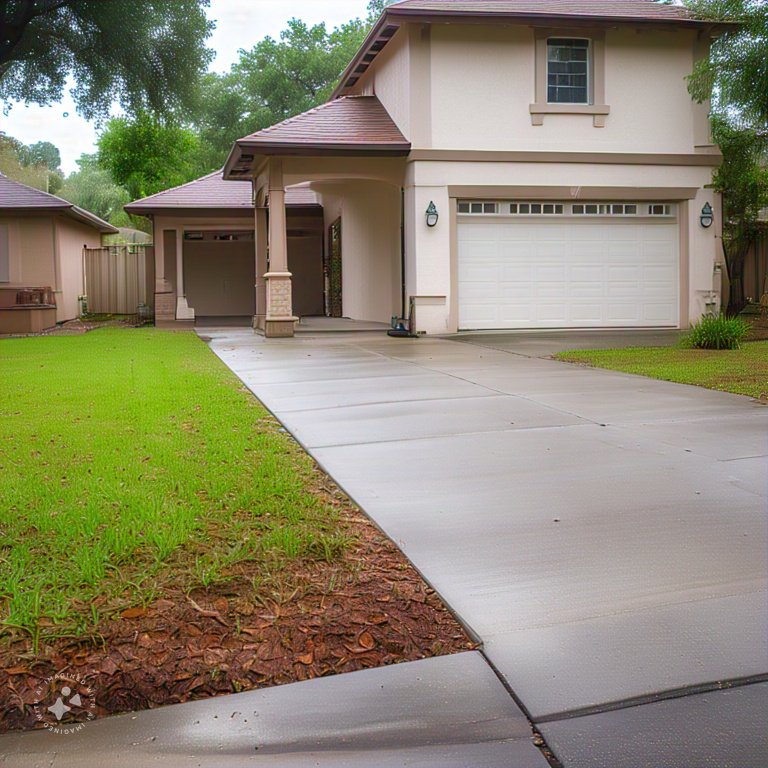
568	70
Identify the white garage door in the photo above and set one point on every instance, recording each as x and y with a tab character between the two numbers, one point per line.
567	265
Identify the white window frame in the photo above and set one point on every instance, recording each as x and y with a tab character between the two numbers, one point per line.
597	108
590	69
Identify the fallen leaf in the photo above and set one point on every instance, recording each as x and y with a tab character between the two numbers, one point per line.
307	658
133	613
221	604
366	641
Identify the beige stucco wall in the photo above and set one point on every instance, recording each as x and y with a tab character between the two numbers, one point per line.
370	246
71	238
47	250
432	272
452	86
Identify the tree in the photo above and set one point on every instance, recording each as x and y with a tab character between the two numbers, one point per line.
92	188
146	54
275	80
47	158
735	76
743	181
146	155
30	164
42	153
735	79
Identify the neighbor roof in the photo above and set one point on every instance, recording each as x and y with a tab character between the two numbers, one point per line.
353	126
15	196
572	12
211	192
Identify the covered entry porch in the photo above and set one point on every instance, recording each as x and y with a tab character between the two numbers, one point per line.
352	157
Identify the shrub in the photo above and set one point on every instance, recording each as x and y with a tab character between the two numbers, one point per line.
717	333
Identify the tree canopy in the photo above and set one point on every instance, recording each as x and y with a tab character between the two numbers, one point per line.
276	79
36	165
735	76
735	79
145	54
91	187
145	154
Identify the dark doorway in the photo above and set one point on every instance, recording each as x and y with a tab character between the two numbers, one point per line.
333	269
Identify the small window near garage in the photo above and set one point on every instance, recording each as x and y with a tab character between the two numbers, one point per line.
604	209
538	209
660	209
567	71
478	207
5	265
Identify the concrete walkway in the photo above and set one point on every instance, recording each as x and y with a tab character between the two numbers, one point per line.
604	534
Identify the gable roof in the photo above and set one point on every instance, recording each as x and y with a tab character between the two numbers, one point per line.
211	192
354	126
15	196
635	10
554	12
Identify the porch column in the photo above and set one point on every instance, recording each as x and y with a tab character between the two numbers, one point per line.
183	310
279	320
261	237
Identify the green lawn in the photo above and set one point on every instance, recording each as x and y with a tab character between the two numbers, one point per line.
743	371
132	461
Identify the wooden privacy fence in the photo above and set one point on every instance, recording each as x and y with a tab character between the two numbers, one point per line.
756	267
118	278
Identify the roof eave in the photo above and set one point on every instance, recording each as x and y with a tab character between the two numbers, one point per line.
258	151
86	217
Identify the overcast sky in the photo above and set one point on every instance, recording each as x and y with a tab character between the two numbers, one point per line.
239	24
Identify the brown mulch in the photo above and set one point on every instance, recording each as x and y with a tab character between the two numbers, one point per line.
370	610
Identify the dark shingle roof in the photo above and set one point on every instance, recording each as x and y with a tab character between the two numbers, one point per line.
352	122
212	192
350	126
624	10
15	196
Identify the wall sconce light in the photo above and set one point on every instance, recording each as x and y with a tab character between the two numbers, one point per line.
432	214
707	216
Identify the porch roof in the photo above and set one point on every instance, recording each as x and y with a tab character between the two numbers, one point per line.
211	193
15	196
352	126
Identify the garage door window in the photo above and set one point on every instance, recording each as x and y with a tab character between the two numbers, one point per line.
577	210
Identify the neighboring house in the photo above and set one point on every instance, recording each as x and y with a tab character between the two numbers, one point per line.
204	238
500	164
41	247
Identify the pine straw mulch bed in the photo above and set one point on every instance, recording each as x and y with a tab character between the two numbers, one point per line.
369	610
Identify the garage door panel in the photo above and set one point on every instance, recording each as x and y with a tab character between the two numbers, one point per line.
624	313
587	313
659	313
584	290
552	274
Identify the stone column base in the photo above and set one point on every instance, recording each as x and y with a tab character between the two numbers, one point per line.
165	306
281	328
279	321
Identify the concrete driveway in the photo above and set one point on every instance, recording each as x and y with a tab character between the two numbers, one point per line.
603	534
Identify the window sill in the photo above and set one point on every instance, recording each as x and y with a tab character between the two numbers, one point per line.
598	111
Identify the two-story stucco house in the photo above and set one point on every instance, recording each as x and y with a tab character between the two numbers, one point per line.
500	164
